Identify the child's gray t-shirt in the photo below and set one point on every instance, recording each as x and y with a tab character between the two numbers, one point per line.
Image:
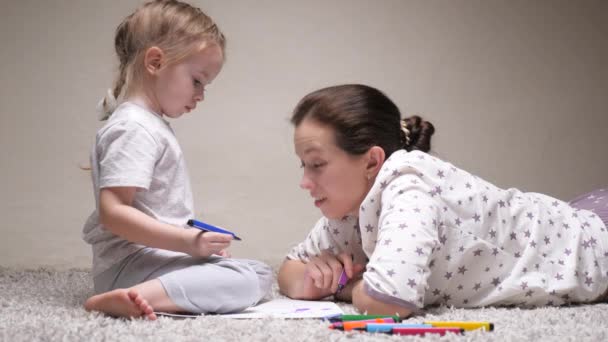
137	148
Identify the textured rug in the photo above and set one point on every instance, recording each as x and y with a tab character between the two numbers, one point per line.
46	305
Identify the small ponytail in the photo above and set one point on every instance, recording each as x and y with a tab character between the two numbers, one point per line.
416	134
106	106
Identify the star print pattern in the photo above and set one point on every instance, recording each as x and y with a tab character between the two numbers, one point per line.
435	234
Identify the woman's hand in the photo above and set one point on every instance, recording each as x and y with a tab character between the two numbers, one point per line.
203	244
323	271
346	294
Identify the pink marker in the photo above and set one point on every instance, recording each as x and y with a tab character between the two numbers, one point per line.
342	282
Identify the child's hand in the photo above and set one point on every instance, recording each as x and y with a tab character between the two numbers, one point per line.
225	253
323	271
206	243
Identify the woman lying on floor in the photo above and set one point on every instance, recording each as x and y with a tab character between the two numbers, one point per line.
411	230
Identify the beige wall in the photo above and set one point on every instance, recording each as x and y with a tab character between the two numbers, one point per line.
518	91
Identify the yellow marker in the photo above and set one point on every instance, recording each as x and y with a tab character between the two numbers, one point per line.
487	326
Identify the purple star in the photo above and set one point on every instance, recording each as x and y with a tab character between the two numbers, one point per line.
440	174
446	297
495	251
547	240
586	244
501	203
513	236
588	281
477	286
411	283
419	251
567	251
476	217
477	252
492	233
458	222
462	269
336	231
527	233
524	285
436	292
530	216
559	276
391	273
369	228
529	293
495	281
468	185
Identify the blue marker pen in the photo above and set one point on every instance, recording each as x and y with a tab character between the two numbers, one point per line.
388	327
207	227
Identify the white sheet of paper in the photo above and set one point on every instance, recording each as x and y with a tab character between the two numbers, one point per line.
284	308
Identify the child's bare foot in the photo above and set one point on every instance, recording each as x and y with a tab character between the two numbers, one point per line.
121	303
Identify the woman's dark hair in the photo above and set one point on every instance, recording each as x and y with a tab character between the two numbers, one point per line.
363	117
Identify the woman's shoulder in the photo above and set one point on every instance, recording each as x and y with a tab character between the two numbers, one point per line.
417	160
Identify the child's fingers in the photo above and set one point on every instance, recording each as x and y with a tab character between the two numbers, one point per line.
217	237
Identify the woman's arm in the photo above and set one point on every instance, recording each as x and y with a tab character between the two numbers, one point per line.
120	218
364	303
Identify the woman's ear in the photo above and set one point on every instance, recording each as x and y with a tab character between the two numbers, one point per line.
153	59
375	159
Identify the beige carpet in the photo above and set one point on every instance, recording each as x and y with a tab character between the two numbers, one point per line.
46	305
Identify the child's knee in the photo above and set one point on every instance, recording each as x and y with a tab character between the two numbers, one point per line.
264	276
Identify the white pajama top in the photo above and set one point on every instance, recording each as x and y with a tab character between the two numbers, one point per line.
431	233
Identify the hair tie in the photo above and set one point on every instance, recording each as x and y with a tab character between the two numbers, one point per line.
106	106
406	132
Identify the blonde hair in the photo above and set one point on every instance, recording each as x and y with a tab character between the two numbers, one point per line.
175	27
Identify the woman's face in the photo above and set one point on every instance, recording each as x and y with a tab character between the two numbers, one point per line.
337	181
